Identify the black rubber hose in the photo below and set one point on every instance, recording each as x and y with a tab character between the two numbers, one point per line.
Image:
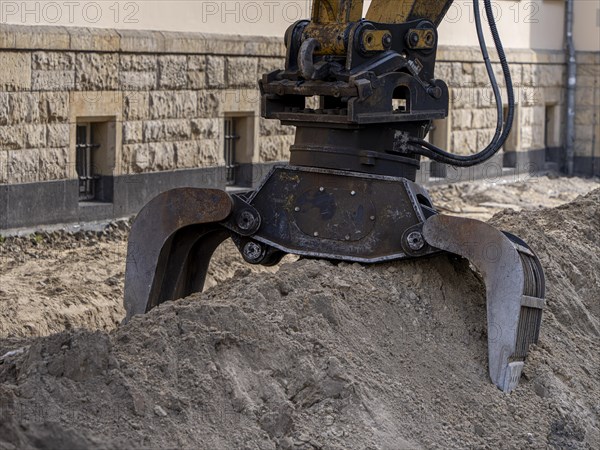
505	70
429	150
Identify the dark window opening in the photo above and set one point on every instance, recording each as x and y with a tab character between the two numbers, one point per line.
438	136
552	128
510	147
231	139
85	156
549	126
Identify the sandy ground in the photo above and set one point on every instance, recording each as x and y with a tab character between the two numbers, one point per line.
482	199
50	282
318	356
57	281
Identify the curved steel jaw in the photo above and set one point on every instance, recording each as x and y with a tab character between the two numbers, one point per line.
170	246
515	289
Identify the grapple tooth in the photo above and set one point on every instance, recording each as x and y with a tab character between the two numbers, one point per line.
170	246
514	282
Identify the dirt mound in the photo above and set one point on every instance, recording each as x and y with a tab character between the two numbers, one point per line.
326	356
62	280
484	198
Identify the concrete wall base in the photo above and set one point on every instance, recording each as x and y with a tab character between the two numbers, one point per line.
52	202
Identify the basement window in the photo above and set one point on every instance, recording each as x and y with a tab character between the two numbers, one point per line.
552	131
230	151
94	160
238	148
85	148
438	136
511	145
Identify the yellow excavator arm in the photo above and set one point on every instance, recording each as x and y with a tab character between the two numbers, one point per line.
399	11
332	21
382	11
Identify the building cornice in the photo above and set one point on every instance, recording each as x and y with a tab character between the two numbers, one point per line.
49	38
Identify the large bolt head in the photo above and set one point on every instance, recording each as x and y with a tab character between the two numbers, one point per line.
429	39
413	38
246	220
435	91
253	252
386	40
415	241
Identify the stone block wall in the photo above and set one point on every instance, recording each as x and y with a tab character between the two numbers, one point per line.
538	81
169	93
587	113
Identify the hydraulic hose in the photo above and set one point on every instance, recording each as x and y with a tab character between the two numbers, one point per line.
503	128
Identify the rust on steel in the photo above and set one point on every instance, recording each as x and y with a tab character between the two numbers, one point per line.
337	11
399	11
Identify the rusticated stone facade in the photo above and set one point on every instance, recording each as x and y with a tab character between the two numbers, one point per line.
167	92
165	97
587	113
538	78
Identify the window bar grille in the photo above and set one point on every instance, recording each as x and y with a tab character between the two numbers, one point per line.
231	137
84	163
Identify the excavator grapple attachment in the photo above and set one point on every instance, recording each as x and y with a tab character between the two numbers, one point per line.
340	216
514	283
349	191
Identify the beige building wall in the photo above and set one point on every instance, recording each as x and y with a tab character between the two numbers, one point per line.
535	24
168	94
587	25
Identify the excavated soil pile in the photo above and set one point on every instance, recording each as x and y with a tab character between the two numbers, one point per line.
326	356
61	280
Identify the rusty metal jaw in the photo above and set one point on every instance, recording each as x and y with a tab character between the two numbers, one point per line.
515	288
170	246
